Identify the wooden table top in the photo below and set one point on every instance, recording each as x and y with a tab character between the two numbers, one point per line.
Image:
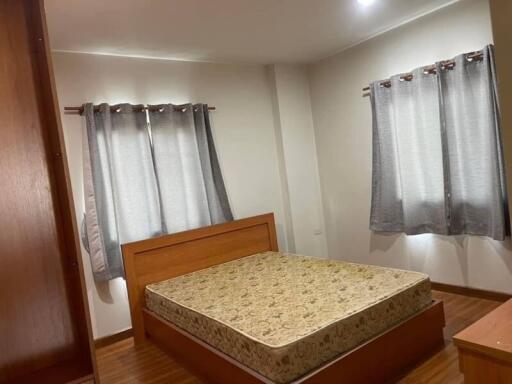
491	335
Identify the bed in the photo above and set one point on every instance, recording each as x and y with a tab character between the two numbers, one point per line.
224	302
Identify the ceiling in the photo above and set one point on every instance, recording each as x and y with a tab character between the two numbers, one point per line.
248	31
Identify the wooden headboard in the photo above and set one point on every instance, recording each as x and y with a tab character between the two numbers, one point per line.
160	258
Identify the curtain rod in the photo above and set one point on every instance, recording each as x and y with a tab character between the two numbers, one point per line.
429	70
80	110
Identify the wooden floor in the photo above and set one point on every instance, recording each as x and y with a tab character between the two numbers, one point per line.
123	363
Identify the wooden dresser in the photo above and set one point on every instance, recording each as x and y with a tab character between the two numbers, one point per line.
485	348
44	319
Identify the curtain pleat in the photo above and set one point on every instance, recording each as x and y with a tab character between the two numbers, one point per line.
437	159
472	135
218	203
188	172
122	203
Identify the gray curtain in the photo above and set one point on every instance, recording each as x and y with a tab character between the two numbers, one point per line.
141	183
437	160
190	182
121	194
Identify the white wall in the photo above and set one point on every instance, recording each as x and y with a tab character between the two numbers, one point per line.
296	137
342	121
243	128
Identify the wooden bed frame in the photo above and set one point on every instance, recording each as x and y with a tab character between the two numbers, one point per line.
378	360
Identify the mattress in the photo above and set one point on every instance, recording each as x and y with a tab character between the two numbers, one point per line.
283	314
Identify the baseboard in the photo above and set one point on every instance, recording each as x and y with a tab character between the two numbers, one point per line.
472	292
111	339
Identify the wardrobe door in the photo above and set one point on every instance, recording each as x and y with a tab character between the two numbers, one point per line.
44	325
501	14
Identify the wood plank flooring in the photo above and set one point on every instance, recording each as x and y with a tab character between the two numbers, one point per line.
125	363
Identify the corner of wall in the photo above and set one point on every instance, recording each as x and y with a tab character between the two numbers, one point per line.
289	236
298	157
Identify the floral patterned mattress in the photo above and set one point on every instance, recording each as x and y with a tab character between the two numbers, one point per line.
284	315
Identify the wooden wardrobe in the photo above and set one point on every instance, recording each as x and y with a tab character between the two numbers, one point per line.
44	318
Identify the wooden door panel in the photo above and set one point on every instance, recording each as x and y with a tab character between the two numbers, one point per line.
37	315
